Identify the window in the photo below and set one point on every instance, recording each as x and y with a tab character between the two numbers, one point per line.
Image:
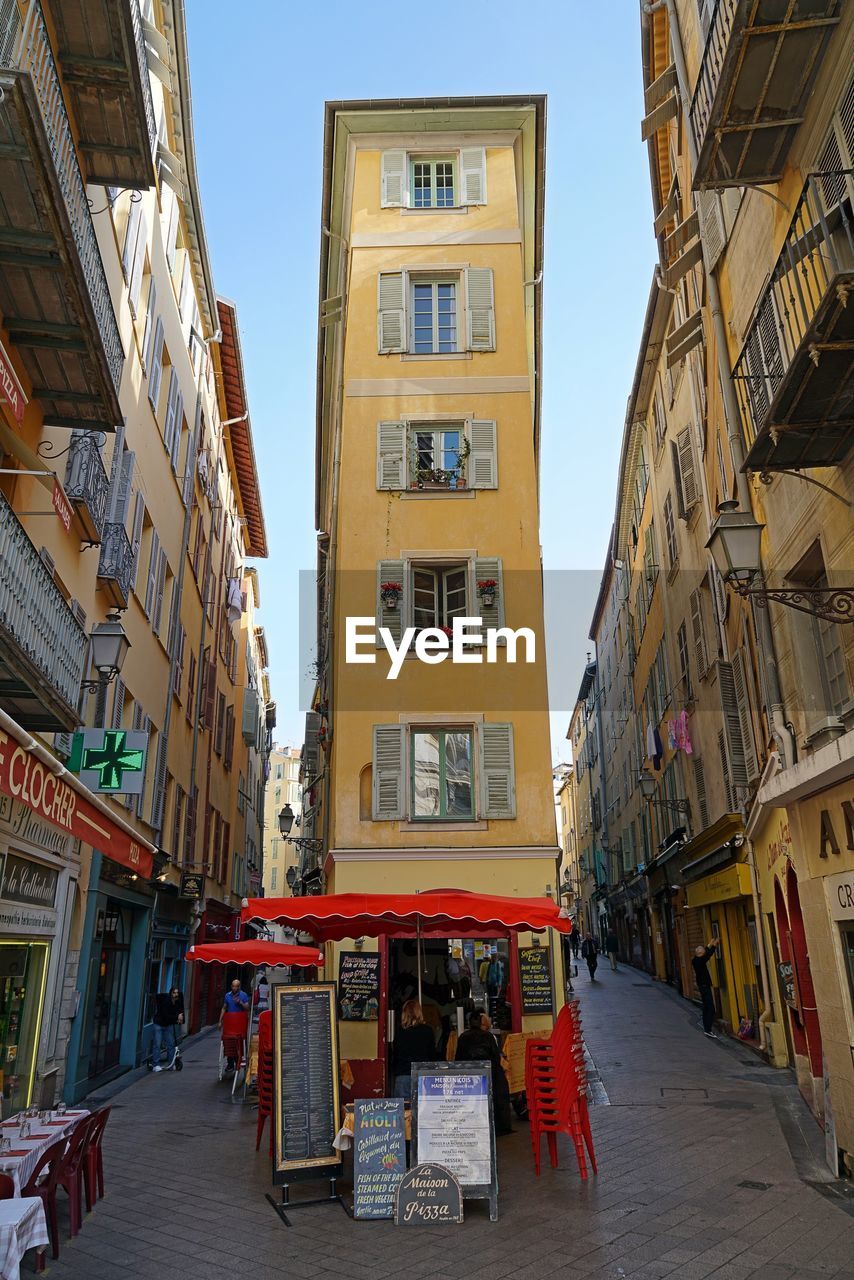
449	456
441	774
650	561
434	316
428	773
828	636
684	663
439	595
432	183
698	632
685	472
670	532
219	735
436	456
658	418
274	877
279	772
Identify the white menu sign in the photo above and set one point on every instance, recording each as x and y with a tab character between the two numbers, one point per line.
453	1125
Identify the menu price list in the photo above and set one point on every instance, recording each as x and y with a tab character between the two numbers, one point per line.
535	976
308	1094
453	1125
379	1156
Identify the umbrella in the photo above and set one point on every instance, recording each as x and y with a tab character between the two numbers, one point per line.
254	951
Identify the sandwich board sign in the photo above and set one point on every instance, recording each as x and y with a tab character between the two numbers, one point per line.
453	1125
379	1155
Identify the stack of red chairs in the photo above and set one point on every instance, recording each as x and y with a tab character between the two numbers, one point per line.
265	1076
556	1085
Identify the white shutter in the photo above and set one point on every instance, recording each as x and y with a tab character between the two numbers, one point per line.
171	405
131	233
185	286
136	536
123	490
492	616
480	309
712	226
391	311
148	331
158	593
151	584
388	772
394	185
170	242
176	437
687	469
701	658
482	465
155	368
394	619
391	455
138	264
497	781
732	725
473	175
739	672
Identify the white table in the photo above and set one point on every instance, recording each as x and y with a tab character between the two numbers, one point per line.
19	1167
22	1227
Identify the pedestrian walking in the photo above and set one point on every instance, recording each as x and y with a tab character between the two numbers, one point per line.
612	946
590	953
168	1016
576	941
235	1001
700	962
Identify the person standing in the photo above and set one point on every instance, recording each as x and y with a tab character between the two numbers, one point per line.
575	940
612	946
465	978
168	1016
414	1042
478	1044
700	963
590	953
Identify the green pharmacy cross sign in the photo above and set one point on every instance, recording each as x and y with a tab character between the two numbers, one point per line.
111	760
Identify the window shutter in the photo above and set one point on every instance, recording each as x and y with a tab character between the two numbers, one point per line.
158	794
394	193
687	469
138	264
155	368
158	596
145	727
739	672
394	619
148	331
483	460
136	535
730	799
210	694
391	314
118	704
171	406
480	315
185	286
131	233
170	242
391	455
732	725
249	721
497	781
699	633
151	584
176	435
492	616
311	746
473	175
387	762
700	787
123	486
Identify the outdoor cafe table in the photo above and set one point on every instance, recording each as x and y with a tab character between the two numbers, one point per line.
22	1226
23	1157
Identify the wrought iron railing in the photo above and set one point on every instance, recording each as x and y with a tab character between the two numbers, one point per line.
34	617
86	479
24	46
116	560
142	59
714	53
818	249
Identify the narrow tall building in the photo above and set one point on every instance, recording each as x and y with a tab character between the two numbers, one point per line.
427	506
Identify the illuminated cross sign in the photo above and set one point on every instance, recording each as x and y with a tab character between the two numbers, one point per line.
111	760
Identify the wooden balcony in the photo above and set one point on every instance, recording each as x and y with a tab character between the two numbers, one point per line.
87	484
54	298
42	645
100	48
759	64
795	374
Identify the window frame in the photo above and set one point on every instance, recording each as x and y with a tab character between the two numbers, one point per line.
419	279
441	731
440	571
441	477
433	159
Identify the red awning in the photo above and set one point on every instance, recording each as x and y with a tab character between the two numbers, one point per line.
254	951
330	917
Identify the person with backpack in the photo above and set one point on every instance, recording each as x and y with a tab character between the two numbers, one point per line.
168	1016
590	953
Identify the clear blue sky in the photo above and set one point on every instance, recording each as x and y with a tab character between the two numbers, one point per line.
259	82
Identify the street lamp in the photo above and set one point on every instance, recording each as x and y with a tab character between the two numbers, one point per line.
648	788
735	541
109	648
286	820
291	876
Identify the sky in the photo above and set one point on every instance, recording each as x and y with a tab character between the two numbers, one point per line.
258	86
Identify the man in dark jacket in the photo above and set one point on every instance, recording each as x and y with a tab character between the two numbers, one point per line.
612	946
168	1016
479	1045
590	953
700	963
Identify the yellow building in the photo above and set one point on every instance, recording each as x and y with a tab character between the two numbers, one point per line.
428	434
283	788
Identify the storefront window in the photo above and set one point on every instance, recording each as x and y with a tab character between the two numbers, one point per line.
23	966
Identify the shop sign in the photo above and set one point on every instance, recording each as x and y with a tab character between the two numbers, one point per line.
306	1074
535	977
733	882
358	986
840	895
453	1124
192	884
21	822
428	1195
30	883
110	760
11	391
26	920
778	843
61	506
787	981
379	1155
832	825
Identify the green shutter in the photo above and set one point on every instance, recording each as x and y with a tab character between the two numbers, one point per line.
388	772
391	455
497	781
393	619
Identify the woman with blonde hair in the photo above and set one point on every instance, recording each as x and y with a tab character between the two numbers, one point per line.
414	1042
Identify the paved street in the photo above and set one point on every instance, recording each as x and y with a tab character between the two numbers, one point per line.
709	1166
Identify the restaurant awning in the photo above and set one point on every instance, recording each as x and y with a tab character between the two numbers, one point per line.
331	917
255	951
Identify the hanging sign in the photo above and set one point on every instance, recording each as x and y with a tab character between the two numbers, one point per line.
11	391
535	976
359	986
110	760
61	506
306	1075
192	884
428	1195
453	1124
379	1155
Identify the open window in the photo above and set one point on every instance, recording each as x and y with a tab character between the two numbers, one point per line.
431	593
426	180
439	456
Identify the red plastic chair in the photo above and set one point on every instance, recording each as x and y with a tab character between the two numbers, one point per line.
233	1044
7	1187
70	1176
93	1157
43	1183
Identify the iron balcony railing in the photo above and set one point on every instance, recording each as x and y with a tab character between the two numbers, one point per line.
142	59
714	53
24	46
86	479
34	617
116	562
818	249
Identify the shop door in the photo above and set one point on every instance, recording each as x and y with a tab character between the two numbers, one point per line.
23	966
111	989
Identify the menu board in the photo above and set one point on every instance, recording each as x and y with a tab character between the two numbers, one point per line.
379	1156
359	986
305	1068
535	974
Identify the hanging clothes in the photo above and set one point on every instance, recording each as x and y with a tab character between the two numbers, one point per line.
235	600
659	750
683	736
672	740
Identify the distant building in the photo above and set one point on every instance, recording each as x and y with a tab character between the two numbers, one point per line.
283	787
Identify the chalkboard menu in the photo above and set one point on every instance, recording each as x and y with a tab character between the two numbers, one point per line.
535	973
379	1156
359	986
306	1074
428	1195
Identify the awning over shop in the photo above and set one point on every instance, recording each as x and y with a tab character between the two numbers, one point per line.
331	917
734	882
256	952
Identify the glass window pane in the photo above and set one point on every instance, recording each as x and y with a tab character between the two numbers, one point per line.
424	598
425	775
455	593
458	780
450	449
424	449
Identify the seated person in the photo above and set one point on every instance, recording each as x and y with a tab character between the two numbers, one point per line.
479	1045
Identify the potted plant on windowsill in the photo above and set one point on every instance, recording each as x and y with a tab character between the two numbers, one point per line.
390	593
487	589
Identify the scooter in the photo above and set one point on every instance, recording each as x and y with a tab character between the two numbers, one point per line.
175	1063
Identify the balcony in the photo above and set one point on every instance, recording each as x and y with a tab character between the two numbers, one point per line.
759	63
87	484
115	567
42	645
795	374
100	48
54	296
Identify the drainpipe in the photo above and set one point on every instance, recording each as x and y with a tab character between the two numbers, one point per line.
761	622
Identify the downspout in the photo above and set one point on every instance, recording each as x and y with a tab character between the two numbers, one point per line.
761	621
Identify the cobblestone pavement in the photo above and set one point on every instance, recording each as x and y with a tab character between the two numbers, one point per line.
709	1163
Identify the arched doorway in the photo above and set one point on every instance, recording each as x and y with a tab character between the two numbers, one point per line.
801	962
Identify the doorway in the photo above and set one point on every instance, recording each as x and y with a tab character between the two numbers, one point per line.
110	989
